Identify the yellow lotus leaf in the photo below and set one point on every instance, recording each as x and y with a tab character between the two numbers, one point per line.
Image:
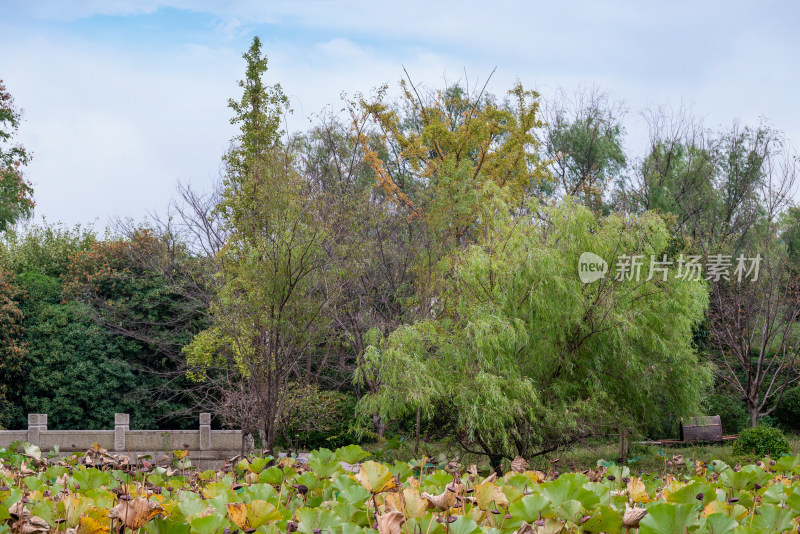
135	513
252	515
416	506
737	511
637	491
375	477
487	493
87	525
237	511
393	502
535	476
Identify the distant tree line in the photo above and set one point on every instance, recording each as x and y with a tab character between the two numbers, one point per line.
412	266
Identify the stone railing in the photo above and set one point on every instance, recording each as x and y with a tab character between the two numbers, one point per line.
207	448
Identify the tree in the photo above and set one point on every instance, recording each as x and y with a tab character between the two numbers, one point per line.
525	358
755	304
583	139
729	195
12	350
16	193
269	303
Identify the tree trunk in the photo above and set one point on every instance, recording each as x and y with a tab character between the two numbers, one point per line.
380	424
496	463
419	424
752	410
623	444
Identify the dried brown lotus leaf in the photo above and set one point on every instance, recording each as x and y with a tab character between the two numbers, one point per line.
390	523
35	525
632	516
525	528
446	500
472	469
519	465
18	509
25	471
491	478
135	514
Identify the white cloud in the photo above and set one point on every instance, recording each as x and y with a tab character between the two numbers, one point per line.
116	123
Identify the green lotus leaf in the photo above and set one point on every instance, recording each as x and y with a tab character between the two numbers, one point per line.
352	454
667	518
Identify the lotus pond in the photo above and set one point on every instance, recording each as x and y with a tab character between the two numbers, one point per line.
345	492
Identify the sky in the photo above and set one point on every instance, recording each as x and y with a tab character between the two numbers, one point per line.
124	99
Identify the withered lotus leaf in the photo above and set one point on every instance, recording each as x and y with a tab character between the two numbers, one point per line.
35	525
633	516
390	523
446	500
135	513
519	465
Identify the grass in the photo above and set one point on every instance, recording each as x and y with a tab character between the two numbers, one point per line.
642	458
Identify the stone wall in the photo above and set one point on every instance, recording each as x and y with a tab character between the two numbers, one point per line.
207	448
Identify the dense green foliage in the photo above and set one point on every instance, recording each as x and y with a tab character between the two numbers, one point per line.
788	411
731	411
77	368
760	441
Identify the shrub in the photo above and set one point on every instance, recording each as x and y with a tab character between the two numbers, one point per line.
731	411
760	441
315	418
788	411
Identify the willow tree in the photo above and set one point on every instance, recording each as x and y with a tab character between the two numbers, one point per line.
525	358
268	302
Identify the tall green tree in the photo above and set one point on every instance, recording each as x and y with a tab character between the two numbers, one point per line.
269	302
16	193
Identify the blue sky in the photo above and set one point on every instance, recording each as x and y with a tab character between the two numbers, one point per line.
125	98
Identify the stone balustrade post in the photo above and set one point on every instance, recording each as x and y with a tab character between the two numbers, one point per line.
205	431
121	426
37	422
